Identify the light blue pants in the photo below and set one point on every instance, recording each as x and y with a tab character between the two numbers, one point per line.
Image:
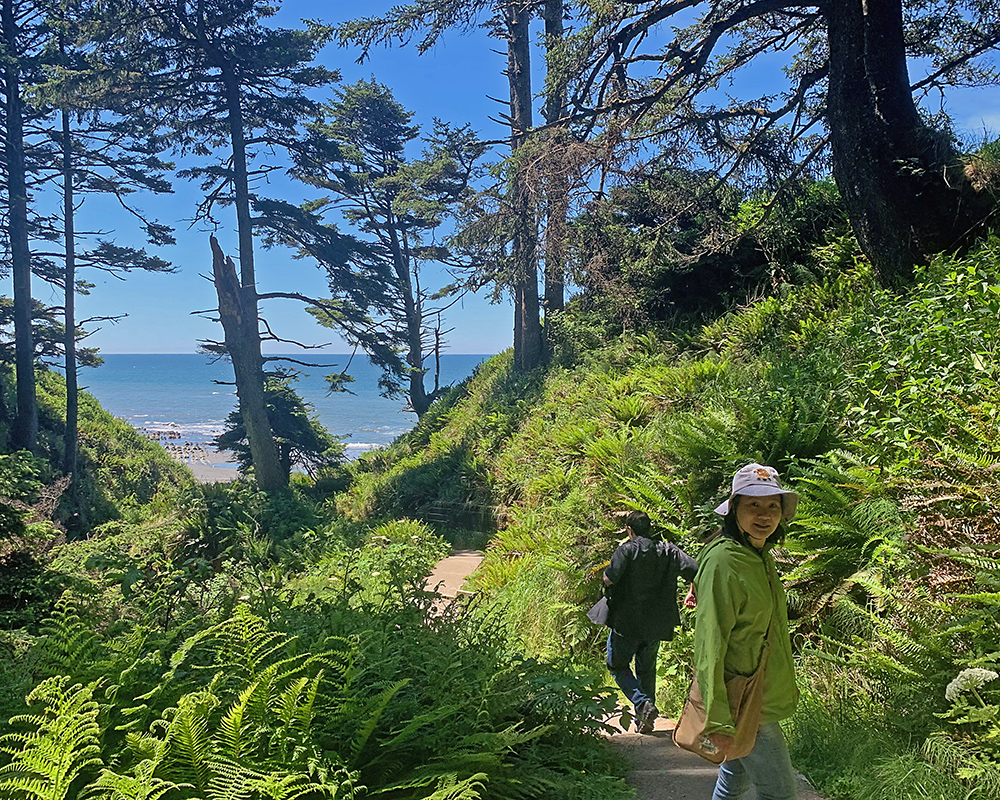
768	767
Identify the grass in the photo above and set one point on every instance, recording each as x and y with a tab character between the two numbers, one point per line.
869	402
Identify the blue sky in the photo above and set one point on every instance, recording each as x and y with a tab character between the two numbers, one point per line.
451	82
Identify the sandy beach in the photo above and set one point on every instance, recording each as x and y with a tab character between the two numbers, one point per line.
213	473
208	464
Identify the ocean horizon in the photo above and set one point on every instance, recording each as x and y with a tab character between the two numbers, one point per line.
187	396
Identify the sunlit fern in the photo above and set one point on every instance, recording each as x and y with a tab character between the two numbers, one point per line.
69	644
649	489
847	532
632	409
248	732
434	786
552	485
141	786
61	742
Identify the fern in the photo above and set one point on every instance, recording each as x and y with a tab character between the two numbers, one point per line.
646	488
237	725
189	746
69	645
234	781
61	745
374	709
140	786
965	762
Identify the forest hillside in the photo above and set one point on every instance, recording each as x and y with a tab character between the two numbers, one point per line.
204	638
726	232
880	409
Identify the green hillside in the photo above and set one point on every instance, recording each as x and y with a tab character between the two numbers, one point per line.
199	639
881	410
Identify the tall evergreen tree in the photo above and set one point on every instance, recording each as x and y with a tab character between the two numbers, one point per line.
557	184
21	39
901	177
394	202
101	153
508	21
230	85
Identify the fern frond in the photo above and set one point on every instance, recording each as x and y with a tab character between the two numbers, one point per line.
296	707
63	742
374	709
69	645
235	781
965	762
189	745
235	724
448	786
142	786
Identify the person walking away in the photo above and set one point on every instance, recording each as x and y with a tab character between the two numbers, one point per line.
741	603
641	583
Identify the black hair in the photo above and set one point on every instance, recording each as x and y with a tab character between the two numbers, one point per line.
638	522
731	530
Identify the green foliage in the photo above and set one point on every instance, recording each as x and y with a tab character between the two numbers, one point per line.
673	244
264	641
300	438
914	366
60	745
891	561
121	473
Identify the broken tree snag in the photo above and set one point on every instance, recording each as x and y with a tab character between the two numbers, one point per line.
238	314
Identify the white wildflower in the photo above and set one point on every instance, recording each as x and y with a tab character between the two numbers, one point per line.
969	679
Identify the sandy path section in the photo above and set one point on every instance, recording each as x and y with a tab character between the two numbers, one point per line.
448	577
662	771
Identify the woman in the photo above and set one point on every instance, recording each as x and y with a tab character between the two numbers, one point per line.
740	603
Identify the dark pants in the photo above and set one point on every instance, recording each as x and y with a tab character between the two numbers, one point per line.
641	685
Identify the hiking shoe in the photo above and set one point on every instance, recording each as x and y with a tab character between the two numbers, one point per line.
645	715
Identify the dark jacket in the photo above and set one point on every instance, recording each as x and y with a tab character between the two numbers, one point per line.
642	598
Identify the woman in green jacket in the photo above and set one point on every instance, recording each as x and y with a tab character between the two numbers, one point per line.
739	597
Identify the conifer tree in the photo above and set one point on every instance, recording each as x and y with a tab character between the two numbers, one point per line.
508	21
231	87
95	152
849	94
557	181
21	38
394	202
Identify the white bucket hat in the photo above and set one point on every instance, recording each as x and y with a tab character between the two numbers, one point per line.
756	480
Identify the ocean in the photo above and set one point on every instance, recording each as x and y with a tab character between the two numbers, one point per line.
188	397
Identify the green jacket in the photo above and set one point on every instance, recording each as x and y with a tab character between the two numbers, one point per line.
735	603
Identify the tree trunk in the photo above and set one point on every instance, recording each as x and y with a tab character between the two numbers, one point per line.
528	355
239	322
557	181
69	227
25	429
901	181
409	290
243	332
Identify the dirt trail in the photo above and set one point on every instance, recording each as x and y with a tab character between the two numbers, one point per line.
662	771
448	577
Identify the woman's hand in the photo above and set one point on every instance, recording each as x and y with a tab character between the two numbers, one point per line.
690	601
722	741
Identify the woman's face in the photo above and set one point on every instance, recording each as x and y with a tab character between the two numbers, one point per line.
758	517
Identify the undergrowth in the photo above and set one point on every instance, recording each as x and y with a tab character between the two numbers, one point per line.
879	414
